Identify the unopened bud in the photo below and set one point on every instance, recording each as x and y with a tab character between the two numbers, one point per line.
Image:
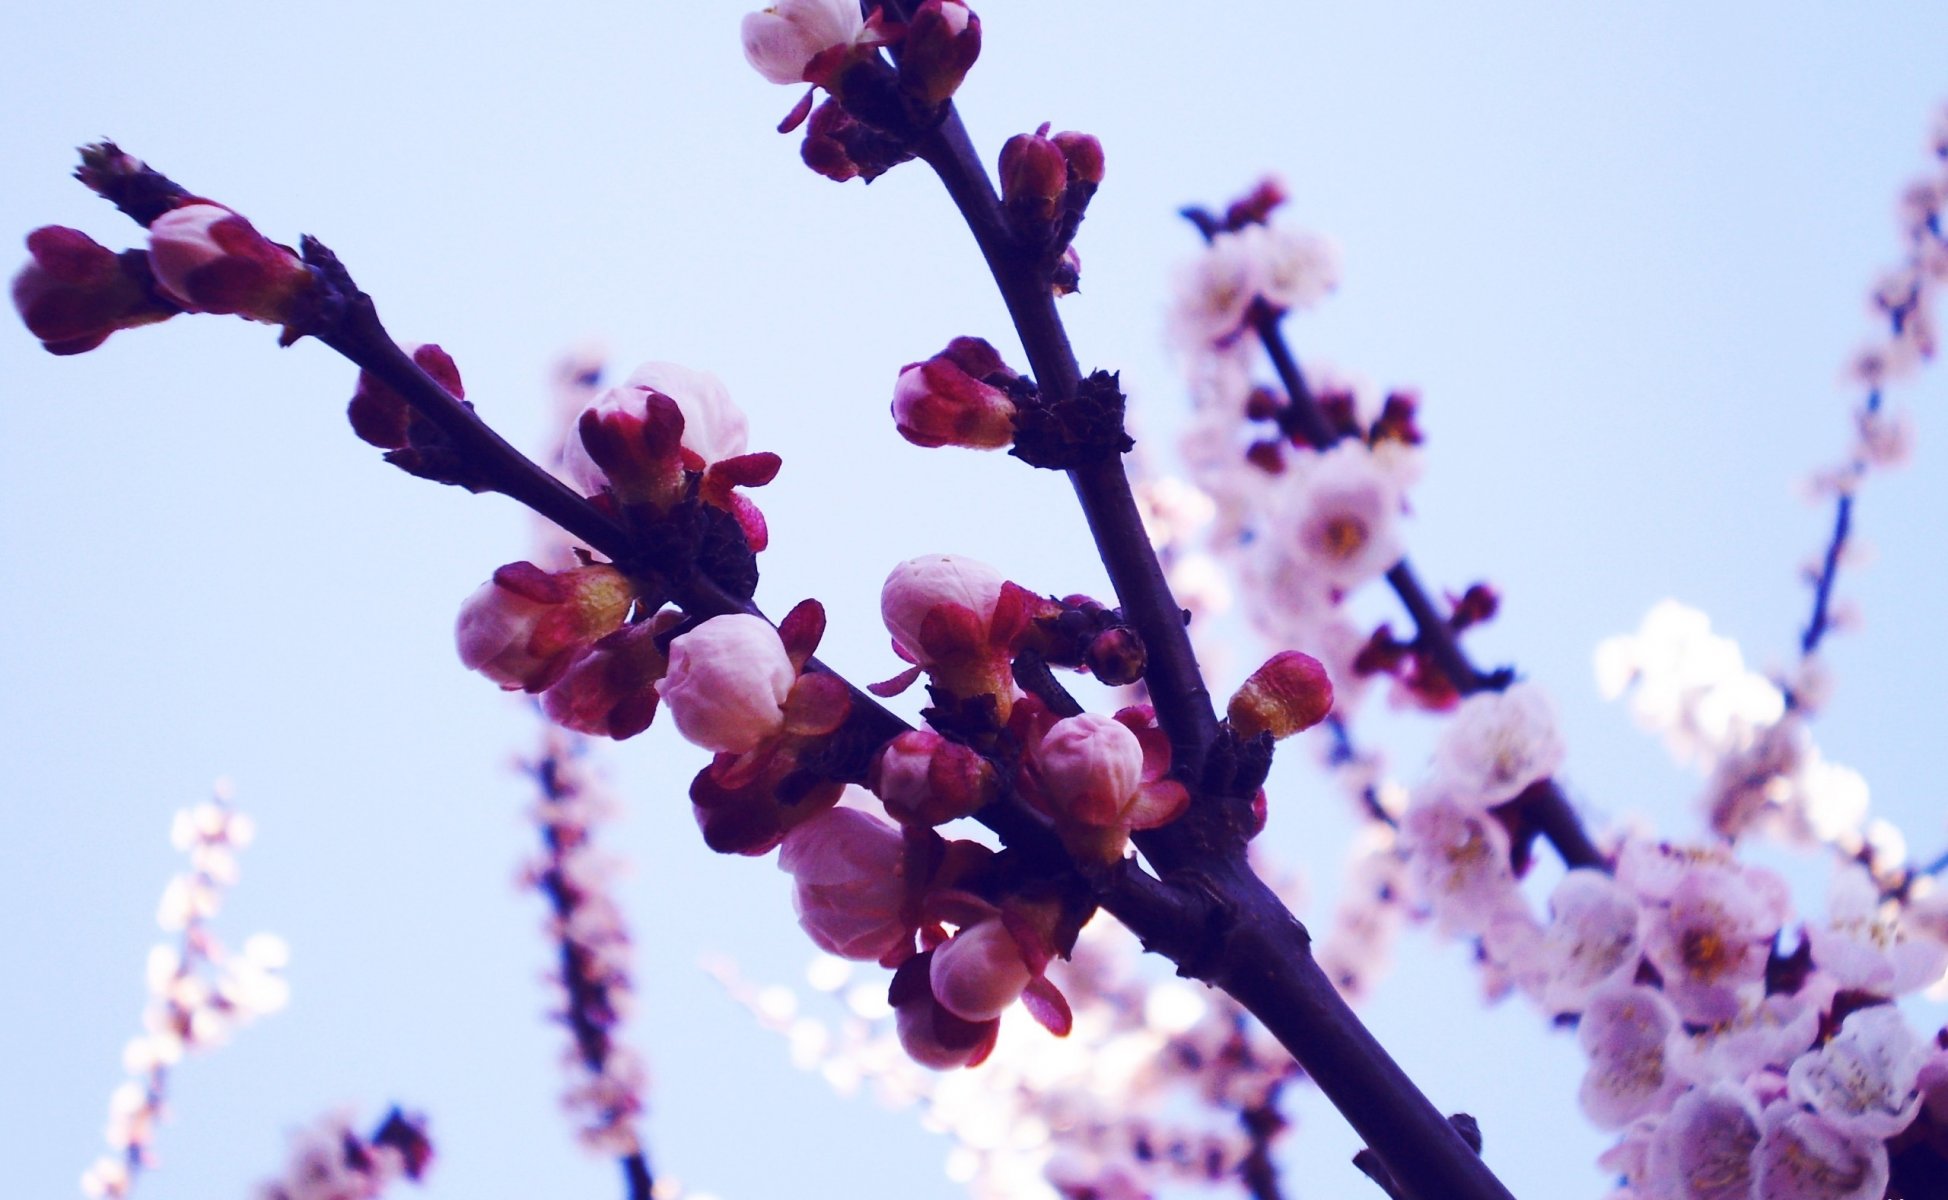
979	973
1084	155
611	690
209	259
1287	694
381	416
525	626
1116	656
943	38
839	146
848	868
727	683
924	779
944	401
1034	176
74	291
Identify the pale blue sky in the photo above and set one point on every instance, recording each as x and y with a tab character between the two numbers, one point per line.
1621	249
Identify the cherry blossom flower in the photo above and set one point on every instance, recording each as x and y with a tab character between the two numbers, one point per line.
1591	938
948	399
1804	1156
333	1161
1866	1079
850	890
1871	945
1339	516
1704	1150
1711	937
714	428
1215	291
1460	861
1498	744
1299	269
727	683
1626	1032
803	41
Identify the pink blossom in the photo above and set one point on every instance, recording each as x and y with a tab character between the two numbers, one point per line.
1626	1032
979	972
1804	1156
1339	516
1498	744
727	683
1711	939
1866	1080
1214	293
209	259
849	870
1460	861
525	626
1704	1148
1871	945
795	41
1591	938
1090	764
1297	269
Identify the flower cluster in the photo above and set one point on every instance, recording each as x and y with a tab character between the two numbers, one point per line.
605	1093
199	991
332	1160
1156	1087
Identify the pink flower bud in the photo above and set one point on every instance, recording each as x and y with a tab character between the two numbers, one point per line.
849	870
209	259
1034	176
943	39
958	595
525	627
74	291
802	41
924	779
714	428
946	401
611	690
928	1032
727	683
1090	766
381	416
979	972
1286	695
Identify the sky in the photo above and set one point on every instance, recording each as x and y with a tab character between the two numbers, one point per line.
1621	251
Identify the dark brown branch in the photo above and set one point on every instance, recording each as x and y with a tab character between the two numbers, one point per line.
1261	955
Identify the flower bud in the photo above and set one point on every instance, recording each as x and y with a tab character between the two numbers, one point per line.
381	416
979	972
946	401
713	428
937	603
848	868
1084	155
1034	176
209	259
943	38
931	1035
1289	693
74	291
839	146
801	41
1090	766
924	779
525	627
611	690
727	683
1116	656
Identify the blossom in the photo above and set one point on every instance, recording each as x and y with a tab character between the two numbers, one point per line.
210	259
1591	938
850	890
1460	858
524	627
1704	1149
1625	1031
727	683
1498	744
926	595
1337	518
74	292
922	778
1214	293
1711	938
802	41
1299	269
1804	1156
1866	1079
